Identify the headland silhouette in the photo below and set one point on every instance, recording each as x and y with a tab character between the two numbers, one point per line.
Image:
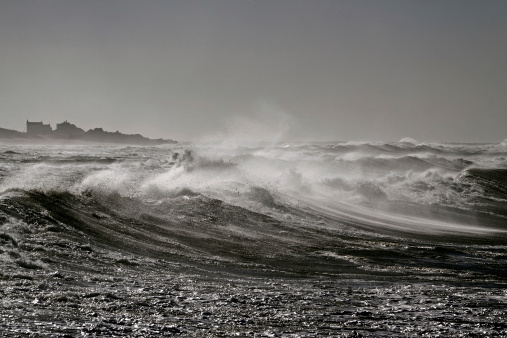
38	131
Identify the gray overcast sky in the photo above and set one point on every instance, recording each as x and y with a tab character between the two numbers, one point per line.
315	70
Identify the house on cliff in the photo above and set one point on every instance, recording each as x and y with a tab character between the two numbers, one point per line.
38	128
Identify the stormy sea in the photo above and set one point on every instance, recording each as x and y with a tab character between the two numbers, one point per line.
268	240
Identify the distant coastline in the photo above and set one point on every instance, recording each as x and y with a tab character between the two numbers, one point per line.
67	132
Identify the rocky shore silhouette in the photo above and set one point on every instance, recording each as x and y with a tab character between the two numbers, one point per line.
68	132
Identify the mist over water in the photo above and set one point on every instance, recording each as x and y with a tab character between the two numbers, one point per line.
266	124
238	236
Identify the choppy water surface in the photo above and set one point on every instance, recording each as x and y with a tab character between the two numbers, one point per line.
329	239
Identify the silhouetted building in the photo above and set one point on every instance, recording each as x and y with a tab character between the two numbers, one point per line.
68	129
38	128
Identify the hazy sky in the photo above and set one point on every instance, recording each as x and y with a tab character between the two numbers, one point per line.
290	70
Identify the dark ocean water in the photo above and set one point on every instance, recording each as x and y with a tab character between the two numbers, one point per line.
294	240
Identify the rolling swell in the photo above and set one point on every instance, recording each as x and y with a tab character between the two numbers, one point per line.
201	232
493	181
190	230
493	185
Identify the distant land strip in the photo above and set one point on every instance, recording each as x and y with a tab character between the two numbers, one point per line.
40	132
